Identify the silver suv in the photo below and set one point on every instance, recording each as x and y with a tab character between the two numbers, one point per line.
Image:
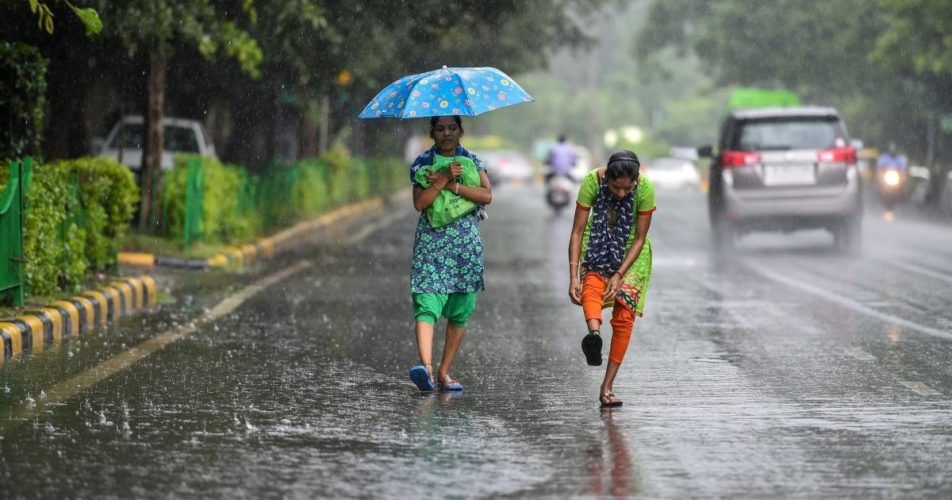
784	169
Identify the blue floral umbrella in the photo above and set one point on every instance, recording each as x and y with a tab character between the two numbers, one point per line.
446	91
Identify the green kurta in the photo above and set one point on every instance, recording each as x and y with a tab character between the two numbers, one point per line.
635	282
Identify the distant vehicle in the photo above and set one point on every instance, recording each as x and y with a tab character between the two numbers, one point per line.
559	191
672	173
540	149
506	165
784	169
181	136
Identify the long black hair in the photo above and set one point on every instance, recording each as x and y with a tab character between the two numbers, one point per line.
623	163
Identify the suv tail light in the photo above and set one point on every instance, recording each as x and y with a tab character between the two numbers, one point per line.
739	158
837	155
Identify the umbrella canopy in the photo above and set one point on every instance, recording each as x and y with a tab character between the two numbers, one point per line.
446	91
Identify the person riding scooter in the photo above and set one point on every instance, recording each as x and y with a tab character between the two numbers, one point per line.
891	174
559	182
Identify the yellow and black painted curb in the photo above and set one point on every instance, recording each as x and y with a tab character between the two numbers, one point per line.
78	315
263	248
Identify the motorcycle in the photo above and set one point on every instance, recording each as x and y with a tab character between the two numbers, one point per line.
890	185
559	190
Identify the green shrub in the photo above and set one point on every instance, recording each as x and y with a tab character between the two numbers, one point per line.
109	197
76	211
309	194
238	206
221	220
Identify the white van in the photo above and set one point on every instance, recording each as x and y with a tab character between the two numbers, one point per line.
181	136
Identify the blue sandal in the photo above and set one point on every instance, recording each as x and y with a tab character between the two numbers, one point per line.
450	386
421	377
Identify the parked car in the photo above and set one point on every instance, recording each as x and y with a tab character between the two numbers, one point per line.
181	136
672	173
506	165
784	169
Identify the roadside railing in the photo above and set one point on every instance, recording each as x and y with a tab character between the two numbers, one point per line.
12	206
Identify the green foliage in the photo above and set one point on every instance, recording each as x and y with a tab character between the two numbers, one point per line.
22	99
155	26
283	195
109	194
44	17
220	183
77	210
885	65
918	37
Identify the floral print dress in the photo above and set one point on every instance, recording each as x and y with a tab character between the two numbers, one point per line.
448	259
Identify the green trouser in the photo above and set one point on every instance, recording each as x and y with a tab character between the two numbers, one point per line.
455	307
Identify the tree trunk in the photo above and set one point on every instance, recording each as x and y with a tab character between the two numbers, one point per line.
155	138
309	119
325	110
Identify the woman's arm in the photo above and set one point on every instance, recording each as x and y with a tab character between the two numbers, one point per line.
423	198
482	194
575	253
614	284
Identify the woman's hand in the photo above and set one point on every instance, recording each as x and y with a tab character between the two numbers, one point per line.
575	290
440	179
614	284
456	170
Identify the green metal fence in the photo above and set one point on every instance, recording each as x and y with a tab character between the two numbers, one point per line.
194	225
12	204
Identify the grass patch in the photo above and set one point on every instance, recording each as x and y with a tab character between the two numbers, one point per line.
158	245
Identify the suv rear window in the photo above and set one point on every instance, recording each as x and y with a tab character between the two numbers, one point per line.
789	133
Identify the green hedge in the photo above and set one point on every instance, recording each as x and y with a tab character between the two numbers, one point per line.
76	211
220	183
283	195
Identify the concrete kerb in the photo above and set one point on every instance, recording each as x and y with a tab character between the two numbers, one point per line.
263	248
79	315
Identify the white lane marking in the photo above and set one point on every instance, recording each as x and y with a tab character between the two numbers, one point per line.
849	303
64	390
920	388
861	354
372	227
913	268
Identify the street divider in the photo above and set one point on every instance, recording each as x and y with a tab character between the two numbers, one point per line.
47	325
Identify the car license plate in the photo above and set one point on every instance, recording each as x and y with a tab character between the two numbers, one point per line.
789	175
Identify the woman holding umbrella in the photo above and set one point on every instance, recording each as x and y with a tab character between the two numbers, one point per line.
447	268
610	258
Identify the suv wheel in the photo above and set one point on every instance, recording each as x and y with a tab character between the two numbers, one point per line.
848	235
723	235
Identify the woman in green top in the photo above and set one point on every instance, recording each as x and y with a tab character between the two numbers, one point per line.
610	258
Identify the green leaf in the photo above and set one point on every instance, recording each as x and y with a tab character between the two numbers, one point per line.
89	17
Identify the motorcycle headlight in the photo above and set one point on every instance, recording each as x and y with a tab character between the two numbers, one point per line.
891	178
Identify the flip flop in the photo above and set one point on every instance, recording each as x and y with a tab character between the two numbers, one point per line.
450	386
421	377
592	347
606	400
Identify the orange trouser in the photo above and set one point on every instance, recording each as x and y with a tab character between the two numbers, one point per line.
623	321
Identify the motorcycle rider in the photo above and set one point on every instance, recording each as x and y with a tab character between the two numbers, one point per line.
892	159
891	174
561	159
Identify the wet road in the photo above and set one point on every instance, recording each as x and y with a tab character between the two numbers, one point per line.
785	370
